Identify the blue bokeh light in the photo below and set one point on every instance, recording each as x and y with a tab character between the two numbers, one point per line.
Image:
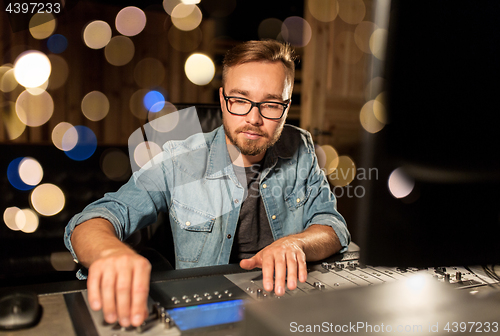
13	175
86	145
154	101
57	43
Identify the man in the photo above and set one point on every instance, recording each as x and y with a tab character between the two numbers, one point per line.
211	220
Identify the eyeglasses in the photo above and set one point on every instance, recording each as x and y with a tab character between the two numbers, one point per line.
267	109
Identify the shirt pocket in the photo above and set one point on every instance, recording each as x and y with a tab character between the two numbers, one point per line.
190	230
298	196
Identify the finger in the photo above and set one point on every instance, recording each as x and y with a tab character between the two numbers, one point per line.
108	296
291	263
250	263
268	272
302	264
140	292
94	288
279	274
123	291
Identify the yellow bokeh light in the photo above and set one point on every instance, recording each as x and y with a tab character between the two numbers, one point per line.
59	73
97	34
379	109
149	72
119	51
186	17
9	218
30	171
42	25
164	120
115	164
199	69
169	5
191	2
345	172
14	126
368	118
130	21
58	134
331	158
32	68
362	35
145	151
47	199
378	43
95	105
28	220
39	89
323	10
34	110
352	11
8	81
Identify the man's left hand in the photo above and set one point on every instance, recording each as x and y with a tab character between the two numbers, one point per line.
286	254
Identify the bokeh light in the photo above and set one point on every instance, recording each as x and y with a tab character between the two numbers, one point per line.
362	35
323	10
14	177
346	49
400	184
115	164
320	155
367	116
130	21
62	261
352	11
14	126
58	133
374	88
145	151
59	73
149	72
95	105
27	219
345	172
154	101
296	31
9	218
186	17
47	199
42	25
8	82
379	110
34	110
378	42
269	28
164	120
119	51
57	43
199	69
35	91
331	159
191	2
32	68
169	5
30	171
184	41
85	146
97	34
136	104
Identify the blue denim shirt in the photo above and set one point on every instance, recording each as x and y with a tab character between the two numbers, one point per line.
195	182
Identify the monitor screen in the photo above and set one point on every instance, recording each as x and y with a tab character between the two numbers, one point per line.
436	198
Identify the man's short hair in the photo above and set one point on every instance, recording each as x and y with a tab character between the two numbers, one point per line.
261	51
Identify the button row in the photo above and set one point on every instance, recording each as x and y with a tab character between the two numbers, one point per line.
198	297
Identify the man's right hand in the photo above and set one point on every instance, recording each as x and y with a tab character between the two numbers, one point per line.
118	279
118	283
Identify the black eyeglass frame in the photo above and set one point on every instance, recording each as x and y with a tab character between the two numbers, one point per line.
252	104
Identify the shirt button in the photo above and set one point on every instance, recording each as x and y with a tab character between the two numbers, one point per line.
188	223
273	216
228	236
264	186
298	200
236	201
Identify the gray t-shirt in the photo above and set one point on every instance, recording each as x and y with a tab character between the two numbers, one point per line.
253	232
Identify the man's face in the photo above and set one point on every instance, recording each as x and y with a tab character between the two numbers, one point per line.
256	81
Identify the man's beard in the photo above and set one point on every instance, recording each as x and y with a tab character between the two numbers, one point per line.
249	146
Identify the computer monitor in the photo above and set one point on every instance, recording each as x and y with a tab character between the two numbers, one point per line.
441	140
